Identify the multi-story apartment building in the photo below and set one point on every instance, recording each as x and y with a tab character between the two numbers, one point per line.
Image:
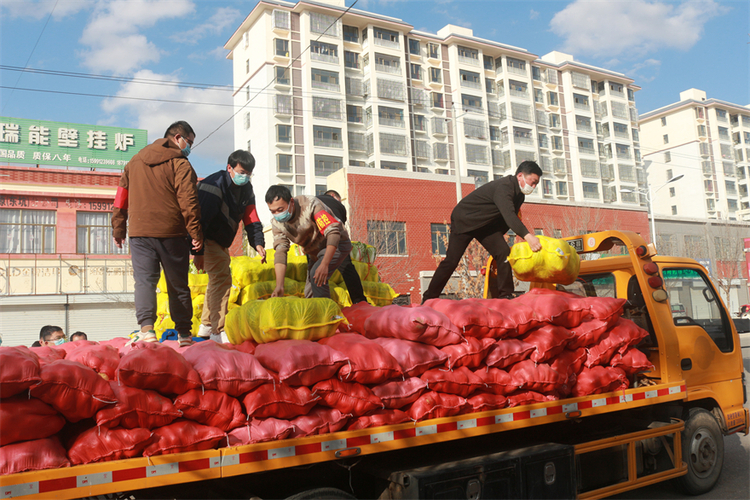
320	87
707	141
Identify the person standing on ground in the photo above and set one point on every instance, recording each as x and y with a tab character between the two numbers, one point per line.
306	221
332	199
486	214
226	198
157	202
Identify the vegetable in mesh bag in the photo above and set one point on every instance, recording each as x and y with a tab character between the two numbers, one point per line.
622	336
368	363
486	401
300	362
433	404
379	418
103	359
197	284
507	352
556	307
224	368
418	323
279	400
518	317
632	361
548	341
600	379
150	365
242	323
24	419
414	358
39	454
20	370
263	289
137	408
460	381
537	377
357	315
556	262
472	317
496	381
398	393
588	333
380	294
349	397
103	445
470	353
260	430
298	318
181	436
212	408
319	420
521	398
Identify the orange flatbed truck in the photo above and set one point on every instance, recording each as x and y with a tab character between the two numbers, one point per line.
670	425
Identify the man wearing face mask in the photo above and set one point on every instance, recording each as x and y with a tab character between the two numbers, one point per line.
157	202
226	198
306	221
486	214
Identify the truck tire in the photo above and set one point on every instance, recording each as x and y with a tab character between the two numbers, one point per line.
322	494
703	451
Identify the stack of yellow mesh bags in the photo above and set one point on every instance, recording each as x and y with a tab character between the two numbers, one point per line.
253	280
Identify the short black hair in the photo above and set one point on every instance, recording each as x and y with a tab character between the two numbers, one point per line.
278	191
181	127
529	167
80	335
46	332
244	158
333	193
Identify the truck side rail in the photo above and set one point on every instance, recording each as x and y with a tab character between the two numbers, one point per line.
140	473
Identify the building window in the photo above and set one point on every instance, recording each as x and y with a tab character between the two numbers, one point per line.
440	234
672	192
320	189
388	237
721	115
413	46
391	117
323	24
467	55
667	157
94	234
321	51
536	73
326	80
437	100
666	138
581	101
547	187
283	164
247	120
674	209
327	137
389	89
416	72
590	190
385	38
282	47
351	59
351	34
478	155
27	231
284	134
552	99
562	188
282	76
247	66
281	19
433	50
326	165
329	109
353	113
516	66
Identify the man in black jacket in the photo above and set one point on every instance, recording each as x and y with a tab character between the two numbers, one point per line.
486	215
226	198
332	199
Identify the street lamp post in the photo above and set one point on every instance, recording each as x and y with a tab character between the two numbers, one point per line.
650	199
459	193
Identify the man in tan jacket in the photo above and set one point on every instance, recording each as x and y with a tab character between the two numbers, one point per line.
157	201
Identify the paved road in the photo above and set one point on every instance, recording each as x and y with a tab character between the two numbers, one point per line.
734	482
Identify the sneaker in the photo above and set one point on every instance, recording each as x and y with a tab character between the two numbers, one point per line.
205	331
224	338
216	337
186	341
139	336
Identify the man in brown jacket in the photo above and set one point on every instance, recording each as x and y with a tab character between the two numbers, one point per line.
157	200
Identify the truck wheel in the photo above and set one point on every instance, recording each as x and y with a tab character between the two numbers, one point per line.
703	451
322	494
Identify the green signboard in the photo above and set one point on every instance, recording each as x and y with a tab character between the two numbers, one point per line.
68	144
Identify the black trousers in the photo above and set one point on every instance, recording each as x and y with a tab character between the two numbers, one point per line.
493	241
173	254
351	278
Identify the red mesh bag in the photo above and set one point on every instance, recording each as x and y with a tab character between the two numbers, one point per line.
518	318
150	365
471	317
117	342
69	347
350	398
417	323
508	352
300	362
601	353
23	419
260	430
102	445
248	347
103	359
72	389
627	330
540	377
548	340
368	362
279	400
569	362
588	333
223	368
632	362
555	307
212	408
137	408
20	370
39	454
470	354
598	380
460	381
606	309
496	381
397	394
486	401
320	420
181	436
47	354
521	398
379	418
436	405
357	315
414	358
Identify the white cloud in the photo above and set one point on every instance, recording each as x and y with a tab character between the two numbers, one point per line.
113	37
38	9
533	14
157	116
216	24
631	29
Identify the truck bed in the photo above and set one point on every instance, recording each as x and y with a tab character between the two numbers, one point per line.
141	473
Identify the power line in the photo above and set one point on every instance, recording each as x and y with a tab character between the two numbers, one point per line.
119	97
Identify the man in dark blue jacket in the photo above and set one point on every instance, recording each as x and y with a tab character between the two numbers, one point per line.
226	198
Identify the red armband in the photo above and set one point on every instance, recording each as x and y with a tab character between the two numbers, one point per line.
121	198
251	215
323	219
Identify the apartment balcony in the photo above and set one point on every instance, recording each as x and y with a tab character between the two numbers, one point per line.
470	84
357	145
523	141
517	71
328	143
468	60
391	122
623	135
315	56
381	42
706	168
583	105
383	68
519	93
333	87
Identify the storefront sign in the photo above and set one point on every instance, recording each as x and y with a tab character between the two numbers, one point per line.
68	144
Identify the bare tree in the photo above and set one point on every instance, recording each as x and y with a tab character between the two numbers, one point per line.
729	252
583	220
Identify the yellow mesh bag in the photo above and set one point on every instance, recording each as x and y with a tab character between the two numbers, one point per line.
340	295
298	318
264	289
162	304
556	262
234	294
197	284
241	323
380	294
198	301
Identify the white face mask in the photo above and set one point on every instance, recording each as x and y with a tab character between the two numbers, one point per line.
527	189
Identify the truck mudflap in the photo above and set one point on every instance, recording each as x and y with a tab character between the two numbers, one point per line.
738	421
141	473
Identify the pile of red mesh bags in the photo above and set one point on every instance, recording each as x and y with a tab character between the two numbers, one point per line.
94	402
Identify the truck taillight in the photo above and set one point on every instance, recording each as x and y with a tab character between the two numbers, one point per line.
641	251
483	271
650	268
655	282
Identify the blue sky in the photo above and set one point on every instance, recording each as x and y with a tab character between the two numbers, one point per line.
665	46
